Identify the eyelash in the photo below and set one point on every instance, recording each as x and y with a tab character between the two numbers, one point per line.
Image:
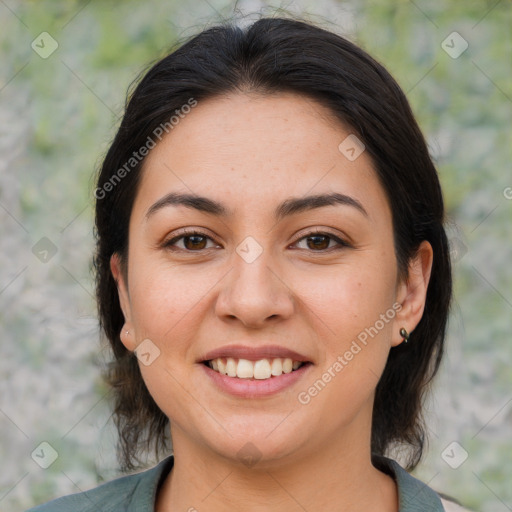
188	233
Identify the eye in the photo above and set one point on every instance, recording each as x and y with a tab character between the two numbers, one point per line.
320	241
196	241
192	241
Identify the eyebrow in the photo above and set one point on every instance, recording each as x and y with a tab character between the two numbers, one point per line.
288	207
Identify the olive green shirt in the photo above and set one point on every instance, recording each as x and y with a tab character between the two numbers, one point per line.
137	492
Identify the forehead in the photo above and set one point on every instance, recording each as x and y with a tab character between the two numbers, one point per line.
252	150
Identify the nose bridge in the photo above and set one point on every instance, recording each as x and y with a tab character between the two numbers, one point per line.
254	291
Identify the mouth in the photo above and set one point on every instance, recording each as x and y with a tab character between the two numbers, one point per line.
261	369
255	379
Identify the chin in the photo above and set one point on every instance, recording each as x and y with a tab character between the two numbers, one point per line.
258	446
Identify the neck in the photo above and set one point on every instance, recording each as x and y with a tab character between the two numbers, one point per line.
338	477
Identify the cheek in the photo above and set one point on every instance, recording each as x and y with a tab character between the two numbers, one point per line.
355	341
163	295
347	298
346	308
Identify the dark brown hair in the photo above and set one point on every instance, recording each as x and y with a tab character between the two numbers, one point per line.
270	56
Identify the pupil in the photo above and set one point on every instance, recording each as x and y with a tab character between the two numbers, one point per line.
194	244
316	243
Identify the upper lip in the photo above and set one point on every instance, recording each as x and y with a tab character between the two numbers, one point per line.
253	353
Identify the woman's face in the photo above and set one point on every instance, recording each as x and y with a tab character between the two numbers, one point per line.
256	276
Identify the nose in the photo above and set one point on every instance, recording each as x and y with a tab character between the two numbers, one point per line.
254	293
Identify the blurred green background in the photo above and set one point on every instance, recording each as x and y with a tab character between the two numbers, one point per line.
58	113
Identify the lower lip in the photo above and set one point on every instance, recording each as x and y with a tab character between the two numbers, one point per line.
247	388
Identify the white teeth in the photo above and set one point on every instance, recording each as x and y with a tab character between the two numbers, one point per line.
261	369
277	367
231	367
245	369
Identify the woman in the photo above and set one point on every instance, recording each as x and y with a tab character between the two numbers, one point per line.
273	277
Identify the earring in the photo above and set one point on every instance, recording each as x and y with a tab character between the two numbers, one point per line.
404	334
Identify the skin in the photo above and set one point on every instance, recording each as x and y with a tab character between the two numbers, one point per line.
251	152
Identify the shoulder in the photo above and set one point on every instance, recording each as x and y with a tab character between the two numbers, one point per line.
124	493
414	495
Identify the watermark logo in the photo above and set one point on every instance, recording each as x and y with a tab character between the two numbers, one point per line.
454	455
454	45
351	147
457	249
249	249
44	250
147	352
44	45
44	455
249	454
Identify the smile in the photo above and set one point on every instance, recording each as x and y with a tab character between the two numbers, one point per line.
260	369
258	377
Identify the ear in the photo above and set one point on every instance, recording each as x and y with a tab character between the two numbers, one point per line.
412	292
127	333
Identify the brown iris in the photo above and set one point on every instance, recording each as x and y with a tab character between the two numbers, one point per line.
201	244
316	245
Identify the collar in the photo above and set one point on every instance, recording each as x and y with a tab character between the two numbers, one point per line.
413	494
